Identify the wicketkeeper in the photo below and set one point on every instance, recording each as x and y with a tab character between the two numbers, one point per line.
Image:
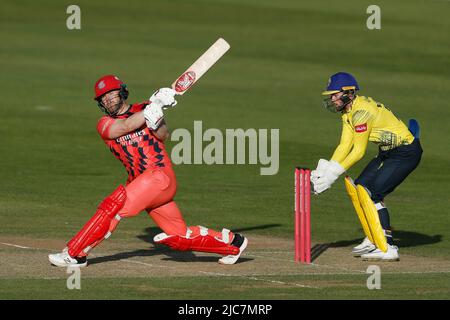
135	134
364	120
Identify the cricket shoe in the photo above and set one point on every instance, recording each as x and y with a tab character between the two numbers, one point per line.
378	255
63	259
364	247
238	241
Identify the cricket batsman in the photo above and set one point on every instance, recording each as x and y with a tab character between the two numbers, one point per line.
135	134
364	120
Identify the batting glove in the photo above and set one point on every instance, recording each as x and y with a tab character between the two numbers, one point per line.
153	115
164	97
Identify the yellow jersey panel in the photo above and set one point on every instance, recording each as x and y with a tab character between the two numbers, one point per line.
369	120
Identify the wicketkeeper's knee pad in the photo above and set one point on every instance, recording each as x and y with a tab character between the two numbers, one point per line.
98	227
203	242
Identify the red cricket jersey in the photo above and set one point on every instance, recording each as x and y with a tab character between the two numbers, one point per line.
138	150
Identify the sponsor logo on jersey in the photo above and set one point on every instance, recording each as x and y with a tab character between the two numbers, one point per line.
361	128
131	136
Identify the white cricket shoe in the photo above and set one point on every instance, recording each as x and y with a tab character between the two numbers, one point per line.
378	255
63	259
364	247
239	241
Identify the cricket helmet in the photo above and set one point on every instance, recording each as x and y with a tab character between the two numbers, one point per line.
341	81
109	83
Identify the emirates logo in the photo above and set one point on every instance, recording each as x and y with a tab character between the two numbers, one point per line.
101	85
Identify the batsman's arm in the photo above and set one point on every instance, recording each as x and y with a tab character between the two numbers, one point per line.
162	133
121	127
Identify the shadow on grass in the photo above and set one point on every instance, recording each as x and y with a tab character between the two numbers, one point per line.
402	239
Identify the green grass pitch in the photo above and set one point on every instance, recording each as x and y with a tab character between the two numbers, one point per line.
55	169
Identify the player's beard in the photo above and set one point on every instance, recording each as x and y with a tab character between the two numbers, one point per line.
114	110
117	107
331	106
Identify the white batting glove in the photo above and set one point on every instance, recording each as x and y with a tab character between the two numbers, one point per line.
164	97
153	115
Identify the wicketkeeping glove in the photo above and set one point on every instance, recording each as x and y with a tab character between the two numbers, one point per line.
332	173
322	167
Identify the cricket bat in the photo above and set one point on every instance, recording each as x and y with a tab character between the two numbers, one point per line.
200	66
